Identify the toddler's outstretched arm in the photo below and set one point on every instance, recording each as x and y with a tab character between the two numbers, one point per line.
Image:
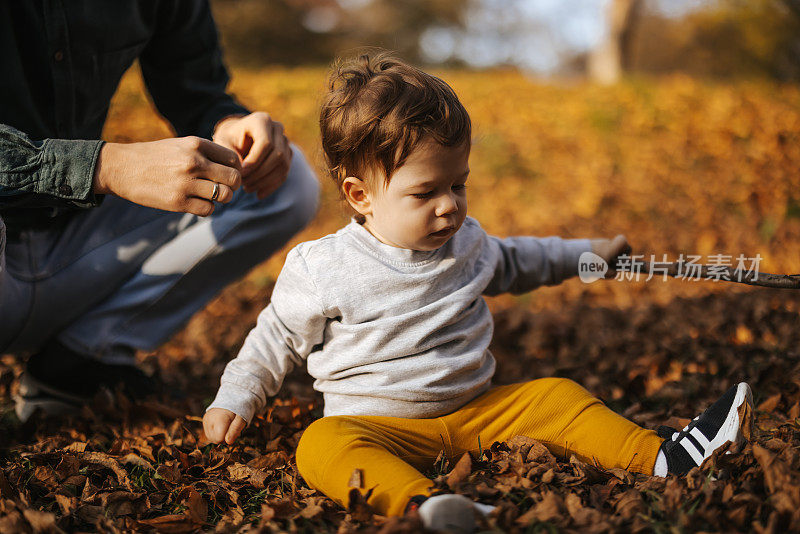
523	263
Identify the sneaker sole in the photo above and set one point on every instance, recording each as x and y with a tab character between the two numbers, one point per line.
738	425
35	396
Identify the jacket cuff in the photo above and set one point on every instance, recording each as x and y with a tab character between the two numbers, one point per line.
237	400
573	248
68	171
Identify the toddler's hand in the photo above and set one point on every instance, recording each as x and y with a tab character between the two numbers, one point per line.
609	250
220	424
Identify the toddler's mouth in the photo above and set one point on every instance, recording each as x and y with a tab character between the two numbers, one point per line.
443	232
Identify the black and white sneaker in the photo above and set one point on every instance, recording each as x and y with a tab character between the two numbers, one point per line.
448	512
58	381
728	419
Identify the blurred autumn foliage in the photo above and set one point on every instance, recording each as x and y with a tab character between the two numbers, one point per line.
677	165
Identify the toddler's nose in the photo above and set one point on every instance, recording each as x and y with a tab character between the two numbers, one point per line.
447	204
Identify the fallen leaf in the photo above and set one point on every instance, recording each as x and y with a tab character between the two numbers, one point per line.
357	506
460	472
110	463
171	524
770	404
40	521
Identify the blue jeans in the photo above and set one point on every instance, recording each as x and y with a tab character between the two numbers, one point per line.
122	276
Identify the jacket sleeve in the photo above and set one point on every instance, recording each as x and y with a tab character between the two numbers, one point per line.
287	331
183	69
51	172
525	263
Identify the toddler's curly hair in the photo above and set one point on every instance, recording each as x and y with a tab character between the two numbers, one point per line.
378	108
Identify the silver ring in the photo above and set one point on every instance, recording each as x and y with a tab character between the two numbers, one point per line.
215	192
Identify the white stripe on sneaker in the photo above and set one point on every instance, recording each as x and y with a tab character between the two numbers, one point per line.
690	447
701	438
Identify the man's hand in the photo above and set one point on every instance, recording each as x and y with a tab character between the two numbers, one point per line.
171	174
263	148
220	424
609	250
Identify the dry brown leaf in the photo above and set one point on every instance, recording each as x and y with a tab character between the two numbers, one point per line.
582	515
12	521
110	463
41	521
629	503
66	503
76	447
196	506
460	472
46	476
282	508
171	524
238	472
357	505
169	471
776	473
312	508
770	404
549	508
135	459
5	488
258	479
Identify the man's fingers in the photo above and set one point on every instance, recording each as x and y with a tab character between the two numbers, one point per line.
235	430
261	178
279	157
273	171
263	134
265	183
222	174
204	189
199	206
219	154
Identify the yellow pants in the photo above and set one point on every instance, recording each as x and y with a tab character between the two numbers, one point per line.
391	451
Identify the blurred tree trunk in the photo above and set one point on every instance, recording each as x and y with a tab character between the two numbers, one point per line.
794	6
611	57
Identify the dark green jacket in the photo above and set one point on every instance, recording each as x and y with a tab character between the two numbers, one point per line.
60	63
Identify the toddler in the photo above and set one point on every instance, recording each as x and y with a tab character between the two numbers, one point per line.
388	313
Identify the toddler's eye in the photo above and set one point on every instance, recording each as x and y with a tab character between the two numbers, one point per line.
427	194
459	187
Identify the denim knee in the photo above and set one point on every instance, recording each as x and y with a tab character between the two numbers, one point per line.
302	189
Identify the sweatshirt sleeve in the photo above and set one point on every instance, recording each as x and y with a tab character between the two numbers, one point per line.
525	263
287	331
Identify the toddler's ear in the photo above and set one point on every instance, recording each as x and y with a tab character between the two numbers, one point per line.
356	193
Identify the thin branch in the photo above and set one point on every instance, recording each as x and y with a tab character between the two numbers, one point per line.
696	271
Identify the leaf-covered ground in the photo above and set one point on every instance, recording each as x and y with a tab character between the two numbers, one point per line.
676	165
126	467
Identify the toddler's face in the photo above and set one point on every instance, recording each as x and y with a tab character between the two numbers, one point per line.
425	203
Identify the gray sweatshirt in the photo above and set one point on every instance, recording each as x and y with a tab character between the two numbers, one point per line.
385	330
